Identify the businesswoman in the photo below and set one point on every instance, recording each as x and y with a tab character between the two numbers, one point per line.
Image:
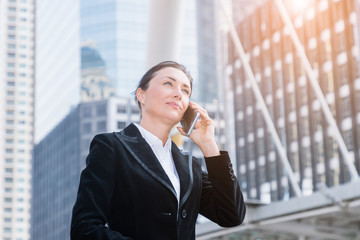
138	185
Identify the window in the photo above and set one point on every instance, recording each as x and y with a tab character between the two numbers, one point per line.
12	9
11	46
11	37
101	126
86	111
11	74
121	125
10	112
101	110
11	84
9	150
135	110
11	28
8	180
121	109
8	160
9	131
87	127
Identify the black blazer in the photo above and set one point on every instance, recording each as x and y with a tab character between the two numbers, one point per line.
124	193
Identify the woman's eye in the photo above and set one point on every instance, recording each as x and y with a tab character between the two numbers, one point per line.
168	83
186	91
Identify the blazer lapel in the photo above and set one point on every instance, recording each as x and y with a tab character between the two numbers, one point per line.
132	140
184	171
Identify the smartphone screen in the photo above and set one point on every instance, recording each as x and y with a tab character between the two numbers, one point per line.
189	119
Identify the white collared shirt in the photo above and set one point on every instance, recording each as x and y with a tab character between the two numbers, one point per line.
163	154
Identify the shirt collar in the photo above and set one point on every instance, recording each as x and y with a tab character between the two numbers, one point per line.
153	140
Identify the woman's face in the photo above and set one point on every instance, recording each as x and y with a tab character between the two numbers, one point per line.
167	96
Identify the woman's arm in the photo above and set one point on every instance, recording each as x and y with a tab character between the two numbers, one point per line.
221	197
92	207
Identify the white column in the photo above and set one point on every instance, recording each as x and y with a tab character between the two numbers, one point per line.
164	31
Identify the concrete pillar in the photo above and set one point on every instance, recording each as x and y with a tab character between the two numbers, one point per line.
164	31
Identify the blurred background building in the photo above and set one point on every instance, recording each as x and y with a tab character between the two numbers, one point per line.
17	70
328	31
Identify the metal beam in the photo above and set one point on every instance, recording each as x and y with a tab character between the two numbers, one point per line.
261	102
318	92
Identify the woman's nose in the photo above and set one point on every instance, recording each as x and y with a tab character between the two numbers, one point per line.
177	92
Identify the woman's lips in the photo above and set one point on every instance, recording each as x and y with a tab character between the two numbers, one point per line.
174	105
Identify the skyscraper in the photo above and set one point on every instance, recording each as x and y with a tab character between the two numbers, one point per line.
328	31
17	48
117	31
207	17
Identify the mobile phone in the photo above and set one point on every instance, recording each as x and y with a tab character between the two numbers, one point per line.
189	119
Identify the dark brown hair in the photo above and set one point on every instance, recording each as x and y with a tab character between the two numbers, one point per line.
150	74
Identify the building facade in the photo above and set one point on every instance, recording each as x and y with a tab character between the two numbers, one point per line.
117	30
17	49
208	55
328	31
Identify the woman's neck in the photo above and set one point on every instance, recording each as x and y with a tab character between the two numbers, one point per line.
159	129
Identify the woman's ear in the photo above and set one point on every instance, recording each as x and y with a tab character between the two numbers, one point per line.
140	95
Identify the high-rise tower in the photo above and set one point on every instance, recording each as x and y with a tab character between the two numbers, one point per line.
17	25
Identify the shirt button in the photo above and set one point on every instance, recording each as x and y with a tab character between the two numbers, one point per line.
183	213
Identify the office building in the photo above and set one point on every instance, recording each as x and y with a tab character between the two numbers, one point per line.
328	31
117	31
17	49
208	49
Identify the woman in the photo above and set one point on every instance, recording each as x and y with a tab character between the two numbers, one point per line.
138	185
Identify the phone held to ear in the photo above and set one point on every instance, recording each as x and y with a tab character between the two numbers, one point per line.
189	119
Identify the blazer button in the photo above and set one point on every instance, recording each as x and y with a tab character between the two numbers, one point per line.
184	213
233	177
230	165
231	172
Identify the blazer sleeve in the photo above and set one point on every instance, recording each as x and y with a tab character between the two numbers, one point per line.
221	198
93	203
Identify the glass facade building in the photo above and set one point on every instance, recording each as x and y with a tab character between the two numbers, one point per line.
117	30
328	31
208	54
